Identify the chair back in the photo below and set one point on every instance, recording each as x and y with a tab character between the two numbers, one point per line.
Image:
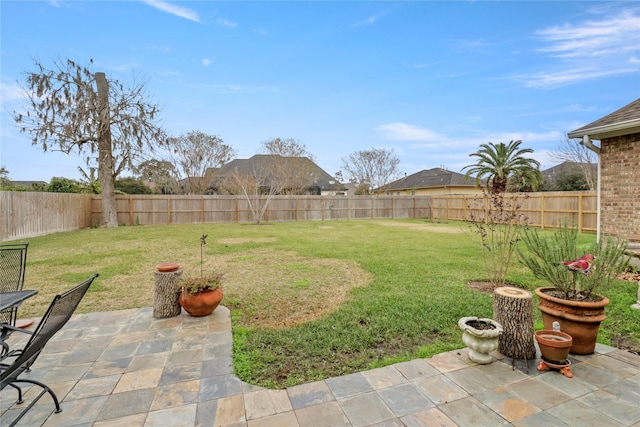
56	316
13	263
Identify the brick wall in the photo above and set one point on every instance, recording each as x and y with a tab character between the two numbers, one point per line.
620	186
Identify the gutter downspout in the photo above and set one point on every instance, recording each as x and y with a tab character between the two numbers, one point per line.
586	141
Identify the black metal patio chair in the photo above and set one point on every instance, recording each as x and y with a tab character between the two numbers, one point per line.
13	263
56	316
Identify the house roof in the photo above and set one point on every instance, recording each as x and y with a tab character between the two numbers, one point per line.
565	166
27	184
624	121
261	162
429	178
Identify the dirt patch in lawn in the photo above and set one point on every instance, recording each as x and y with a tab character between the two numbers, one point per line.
433	227
630	344
277	289
240	241
486	287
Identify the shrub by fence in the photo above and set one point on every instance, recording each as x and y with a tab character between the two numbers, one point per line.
29	214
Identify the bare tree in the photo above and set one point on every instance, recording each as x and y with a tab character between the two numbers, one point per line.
571	150
196	155
161	174
290	165
255	186
373	168
288	147
73	108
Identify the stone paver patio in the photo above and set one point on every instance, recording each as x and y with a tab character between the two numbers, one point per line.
126	368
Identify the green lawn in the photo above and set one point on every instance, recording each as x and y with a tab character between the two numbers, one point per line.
309	300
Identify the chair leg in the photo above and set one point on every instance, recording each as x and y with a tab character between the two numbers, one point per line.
45	389
20	400
5	349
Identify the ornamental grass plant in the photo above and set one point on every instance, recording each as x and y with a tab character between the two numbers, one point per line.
545	256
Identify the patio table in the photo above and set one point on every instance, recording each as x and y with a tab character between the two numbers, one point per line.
8	300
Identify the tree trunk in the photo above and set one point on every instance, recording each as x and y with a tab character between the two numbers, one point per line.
513	309
167	294
109	216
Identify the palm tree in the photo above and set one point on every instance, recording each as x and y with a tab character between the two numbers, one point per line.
501	162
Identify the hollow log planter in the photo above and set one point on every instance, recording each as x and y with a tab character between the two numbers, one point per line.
481	336
167	291
513	309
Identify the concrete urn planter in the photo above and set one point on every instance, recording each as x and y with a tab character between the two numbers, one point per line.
481	336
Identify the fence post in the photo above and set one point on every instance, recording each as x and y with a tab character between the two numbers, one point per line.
542	211
465	207
372	206
580	213
168	210
130	211
414	208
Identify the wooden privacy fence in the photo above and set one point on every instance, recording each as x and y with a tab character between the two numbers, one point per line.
544	210
145	210
29	214
26	214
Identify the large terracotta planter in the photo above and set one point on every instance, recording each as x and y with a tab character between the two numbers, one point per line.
481	341
201	304
579	319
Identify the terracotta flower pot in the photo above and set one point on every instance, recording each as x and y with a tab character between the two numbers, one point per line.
580	319
201	304
167	267
554	345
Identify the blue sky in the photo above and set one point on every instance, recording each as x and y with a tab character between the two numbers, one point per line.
431	80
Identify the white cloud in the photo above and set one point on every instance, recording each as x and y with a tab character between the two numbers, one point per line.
588	50
173	9
10	92
206	62
405	132
225	23
368	21
261	31
432	148
572	75
605	37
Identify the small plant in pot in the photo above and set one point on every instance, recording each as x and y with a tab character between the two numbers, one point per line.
577	276
200	296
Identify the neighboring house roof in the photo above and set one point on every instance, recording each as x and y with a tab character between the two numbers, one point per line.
624	121
428	178
564	167
261	162
27	184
